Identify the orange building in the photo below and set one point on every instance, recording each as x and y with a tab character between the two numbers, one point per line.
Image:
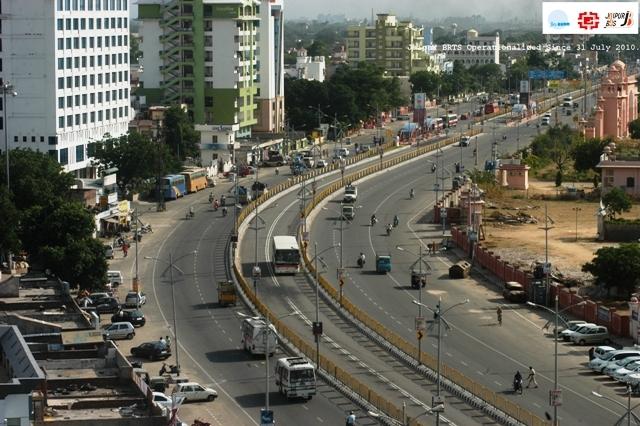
617	104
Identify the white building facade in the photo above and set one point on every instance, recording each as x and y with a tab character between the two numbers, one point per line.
310	67
477	50
68	61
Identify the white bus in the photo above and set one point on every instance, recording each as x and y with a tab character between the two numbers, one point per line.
286	255
254	336
450	120
295	377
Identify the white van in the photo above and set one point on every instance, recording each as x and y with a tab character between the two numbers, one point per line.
114	278
254	331
545	121
295	377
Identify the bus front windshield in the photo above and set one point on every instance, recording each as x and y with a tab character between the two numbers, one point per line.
287	256
300	375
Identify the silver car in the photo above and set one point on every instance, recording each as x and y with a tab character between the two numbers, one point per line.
592	335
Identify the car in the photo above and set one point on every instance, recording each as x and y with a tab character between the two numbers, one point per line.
566	334
108	251
192	391
600	351
465	140
599	364
631	367
514	292
119	330
364	148
135	317
343	152
545	121
152	350
108	305
592	335
114	278
613	367
321	163
98	298
546	115
135	299
159	398
464	116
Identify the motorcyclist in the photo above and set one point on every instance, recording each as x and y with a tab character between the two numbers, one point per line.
216	204
277	171
192	213
433	168
412	193
374	219
389	228
224	211
499	313
517	382
211	197
361	259
396	221
223	200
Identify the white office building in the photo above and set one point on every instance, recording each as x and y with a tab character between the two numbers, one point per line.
68	61
477	50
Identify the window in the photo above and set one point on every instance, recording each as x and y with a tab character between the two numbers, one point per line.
69	101
79	153
33	139
61	102
84	62
53	140
76	80
24	139
75	23
76	62
107	114
100	79
631	182
60	44
83	24
59	6
60	63
60	82
83	42
91	61
77	100
90	5
69	82
107	96
92	80
82	5
90	42
75	4
69	63
60	122
98	4
90	23
67	4
60	24
98	23
77	119
92	98
99	40
64	156
68	24
84	118
84	81
92	116
106	23
76	42
99	97
68	42
41	138
84	99
100	115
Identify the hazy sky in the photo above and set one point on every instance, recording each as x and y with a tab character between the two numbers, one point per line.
492	10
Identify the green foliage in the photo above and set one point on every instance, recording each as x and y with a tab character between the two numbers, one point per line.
136	157
178	133
586	154
9	239
318	48
617	201
426	82
556	145
616	266
634	128
53	229
134	49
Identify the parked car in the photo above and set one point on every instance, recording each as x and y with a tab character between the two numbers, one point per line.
98	298
592	335
108	251
108	305
599	364
364	148
465	140
151	351
114	278
613	367
321	163
601	351
566	334
514	292
119	330
159	398
192	391
135	299
630	367
135	317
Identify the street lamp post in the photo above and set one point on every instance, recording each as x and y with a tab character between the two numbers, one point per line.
438	314
628	407
7	88
555	399
171	265
317	326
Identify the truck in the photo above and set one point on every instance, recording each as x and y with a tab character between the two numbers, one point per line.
256	339
295	377
383	263
226	293
350	194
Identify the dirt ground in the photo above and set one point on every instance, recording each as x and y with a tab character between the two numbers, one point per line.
524	243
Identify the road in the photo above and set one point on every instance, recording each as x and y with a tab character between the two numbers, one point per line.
475	345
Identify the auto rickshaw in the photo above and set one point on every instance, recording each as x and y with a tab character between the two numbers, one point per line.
418	280
226	293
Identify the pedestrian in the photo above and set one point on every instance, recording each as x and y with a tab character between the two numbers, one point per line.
531	378
592	353
351	419
125	249
168	341
499	313
164	342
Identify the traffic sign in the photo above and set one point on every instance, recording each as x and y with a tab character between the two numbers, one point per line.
555	397
546	75
419	334
437	404
421	324
266	417
341	282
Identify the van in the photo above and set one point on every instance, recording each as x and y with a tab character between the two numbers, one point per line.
545	121
114	278
350	194
348	212
253	336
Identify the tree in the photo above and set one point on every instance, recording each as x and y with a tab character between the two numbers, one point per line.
634	128
178	133
556	145
318	48
586	154
9	240
425	82
131	155
616	267
617	201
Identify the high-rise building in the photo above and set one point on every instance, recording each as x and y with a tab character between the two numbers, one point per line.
396	46
68	61
202	54
270	55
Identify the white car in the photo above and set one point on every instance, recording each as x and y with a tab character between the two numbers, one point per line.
566	334
163	400
601	351
321	163
119	330
192	391
612	368
620	375
599	364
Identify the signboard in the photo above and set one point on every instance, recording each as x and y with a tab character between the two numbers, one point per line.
266	417
555	398
590	17
524	86
437	404
546	75
419	100
421	324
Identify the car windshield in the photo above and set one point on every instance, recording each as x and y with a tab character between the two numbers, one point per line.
574	327
608	356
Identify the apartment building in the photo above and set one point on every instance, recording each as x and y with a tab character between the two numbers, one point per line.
396	46
477	50
203	54
68	61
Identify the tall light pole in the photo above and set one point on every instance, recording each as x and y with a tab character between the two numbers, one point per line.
438	314
340	271
7	88
554	397
546	228
317	326
628	407
172	266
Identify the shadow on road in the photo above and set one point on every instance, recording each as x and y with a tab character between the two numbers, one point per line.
275	399
229	355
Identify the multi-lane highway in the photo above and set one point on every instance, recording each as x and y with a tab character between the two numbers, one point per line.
476	345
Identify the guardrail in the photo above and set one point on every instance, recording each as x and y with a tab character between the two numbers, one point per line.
361	389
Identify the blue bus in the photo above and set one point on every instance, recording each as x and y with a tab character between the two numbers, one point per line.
173	186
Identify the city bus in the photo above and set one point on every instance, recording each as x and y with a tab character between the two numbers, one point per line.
286	255
450	120
173	186
195	179
295	377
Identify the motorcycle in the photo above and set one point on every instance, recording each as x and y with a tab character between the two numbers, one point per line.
223	201
216	205
517	386
433	168
396	222
211	198
374	220
190	214
361	262
224	211
389	229
412	194
146	228
504	137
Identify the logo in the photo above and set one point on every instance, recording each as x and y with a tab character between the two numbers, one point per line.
588	20
624	17
558	19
